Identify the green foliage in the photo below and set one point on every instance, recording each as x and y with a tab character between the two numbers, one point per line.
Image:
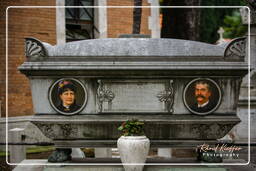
233	26
38	149
213	18
132	128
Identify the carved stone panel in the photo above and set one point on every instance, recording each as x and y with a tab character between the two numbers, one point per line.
126	96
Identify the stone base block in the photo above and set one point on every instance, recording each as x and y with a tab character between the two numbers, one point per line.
120	168
40	165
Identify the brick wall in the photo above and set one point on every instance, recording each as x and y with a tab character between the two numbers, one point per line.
120	20
2	55
41	24
27	22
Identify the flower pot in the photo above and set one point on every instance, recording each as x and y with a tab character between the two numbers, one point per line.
133	149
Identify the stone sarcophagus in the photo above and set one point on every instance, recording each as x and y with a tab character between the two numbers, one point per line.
186	92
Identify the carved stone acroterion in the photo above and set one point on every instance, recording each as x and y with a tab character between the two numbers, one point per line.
236	49
34	49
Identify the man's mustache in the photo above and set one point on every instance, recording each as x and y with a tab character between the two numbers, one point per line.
200	96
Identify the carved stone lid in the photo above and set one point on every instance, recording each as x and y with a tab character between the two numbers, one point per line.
133	54
135	47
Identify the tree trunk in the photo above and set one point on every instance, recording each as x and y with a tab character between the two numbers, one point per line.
181	23
137	17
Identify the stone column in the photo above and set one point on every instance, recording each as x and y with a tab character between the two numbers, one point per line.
100	19
154	20
17	152
241	130
60	22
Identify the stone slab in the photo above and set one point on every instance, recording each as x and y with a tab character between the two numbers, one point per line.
40	165
44	167
135	96
82	168
30	165
120	168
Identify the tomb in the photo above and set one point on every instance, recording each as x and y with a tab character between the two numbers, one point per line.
153	80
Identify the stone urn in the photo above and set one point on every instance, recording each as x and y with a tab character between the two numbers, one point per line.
133	150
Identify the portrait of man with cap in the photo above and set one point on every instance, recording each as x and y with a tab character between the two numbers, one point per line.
67	97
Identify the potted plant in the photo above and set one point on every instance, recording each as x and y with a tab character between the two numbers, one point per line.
133	145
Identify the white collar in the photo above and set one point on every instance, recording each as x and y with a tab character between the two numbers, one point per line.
67	107
203	105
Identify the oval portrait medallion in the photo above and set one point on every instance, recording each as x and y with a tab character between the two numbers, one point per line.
68	96
202	96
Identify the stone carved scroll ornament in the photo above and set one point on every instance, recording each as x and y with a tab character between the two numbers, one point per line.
47	129
236	49
34	49
103	95
167	96
67	130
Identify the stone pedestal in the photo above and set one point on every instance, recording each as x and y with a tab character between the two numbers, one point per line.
17	152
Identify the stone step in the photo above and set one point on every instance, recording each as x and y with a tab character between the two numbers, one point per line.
104	164
43	165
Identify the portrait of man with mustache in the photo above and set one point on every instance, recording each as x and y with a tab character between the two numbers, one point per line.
203	94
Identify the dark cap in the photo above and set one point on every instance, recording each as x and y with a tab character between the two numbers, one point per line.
65	85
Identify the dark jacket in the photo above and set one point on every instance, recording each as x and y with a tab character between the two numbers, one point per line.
204	109
71	108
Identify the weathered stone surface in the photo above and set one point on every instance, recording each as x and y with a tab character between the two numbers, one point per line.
134	95
135	47
236	49
137	96
35	50
133	57
158	127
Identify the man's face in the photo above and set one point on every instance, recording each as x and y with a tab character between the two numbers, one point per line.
67	97
202	93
